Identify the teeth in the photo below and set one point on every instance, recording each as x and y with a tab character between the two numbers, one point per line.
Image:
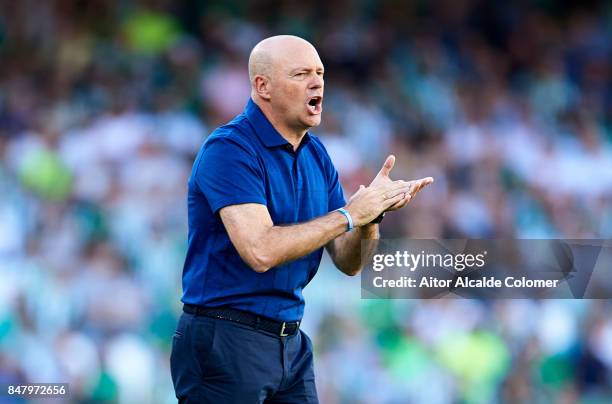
314	108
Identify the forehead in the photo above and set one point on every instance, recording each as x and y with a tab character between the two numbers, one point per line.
299	55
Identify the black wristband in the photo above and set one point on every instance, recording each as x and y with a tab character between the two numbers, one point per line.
378	219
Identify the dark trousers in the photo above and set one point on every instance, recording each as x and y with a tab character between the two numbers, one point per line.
219	361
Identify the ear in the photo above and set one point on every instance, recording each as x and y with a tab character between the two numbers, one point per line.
261	84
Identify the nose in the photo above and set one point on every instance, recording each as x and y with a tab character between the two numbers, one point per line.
316	82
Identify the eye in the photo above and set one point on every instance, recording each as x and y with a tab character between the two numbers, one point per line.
301	74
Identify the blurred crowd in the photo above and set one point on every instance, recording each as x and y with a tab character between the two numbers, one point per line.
103	106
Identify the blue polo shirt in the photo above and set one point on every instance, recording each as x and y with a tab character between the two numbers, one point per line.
248	161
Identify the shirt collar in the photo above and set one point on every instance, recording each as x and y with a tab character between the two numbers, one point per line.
264	129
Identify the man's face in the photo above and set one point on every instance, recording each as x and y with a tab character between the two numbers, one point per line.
297	87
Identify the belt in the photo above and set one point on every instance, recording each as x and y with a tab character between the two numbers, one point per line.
282	329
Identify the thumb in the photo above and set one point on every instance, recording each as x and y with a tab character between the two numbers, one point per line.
388	166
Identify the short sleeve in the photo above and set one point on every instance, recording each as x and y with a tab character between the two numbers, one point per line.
334	189
335	193
229	174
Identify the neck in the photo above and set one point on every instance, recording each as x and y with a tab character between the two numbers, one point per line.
292	135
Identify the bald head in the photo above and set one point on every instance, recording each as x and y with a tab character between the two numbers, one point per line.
274	52
287	83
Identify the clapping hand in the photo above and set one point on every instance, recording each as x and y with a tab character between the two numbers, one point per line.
415	185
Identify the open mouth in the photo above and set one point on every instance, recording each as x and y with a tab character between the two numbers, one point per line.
315	105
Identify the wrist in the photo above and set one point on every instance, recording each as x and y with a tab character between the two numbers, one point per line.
350	224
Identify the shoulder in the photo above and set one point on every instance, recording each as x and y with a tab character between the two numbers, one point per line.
234	141
235	136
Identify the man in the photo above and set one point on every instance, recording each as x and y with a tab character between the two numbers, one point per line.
264	198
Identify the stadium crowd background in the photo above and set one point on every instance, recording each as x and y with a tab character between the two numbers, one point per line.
103	106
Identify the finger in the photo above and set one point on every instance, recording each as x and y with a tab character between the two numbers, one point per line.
387	203
401	203
394	185
424	182
398	190
387	166
418	187
420	184
393	207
